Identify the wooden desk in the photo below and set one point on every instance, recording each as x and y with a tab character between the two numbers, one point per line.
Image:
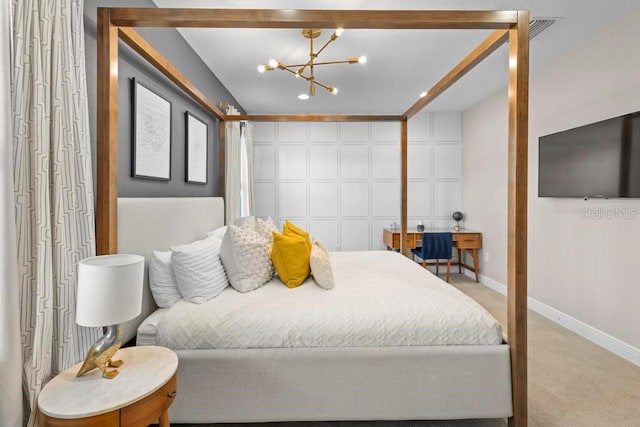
464	239
140	394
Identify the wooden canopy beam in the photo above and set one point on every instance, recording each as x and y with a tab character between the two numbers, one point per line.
484	49
155	58
352	19
313	118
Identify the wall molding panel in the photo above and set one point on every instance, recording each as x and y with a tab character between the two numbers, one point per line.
341	181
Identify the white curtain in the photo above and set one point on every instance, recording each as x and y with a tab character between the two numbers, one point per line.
53	184
239	168
10	354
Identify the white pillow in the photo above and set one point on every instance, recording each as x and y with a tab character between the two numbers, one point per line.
218	232
162	281
199	272
320	264
246	258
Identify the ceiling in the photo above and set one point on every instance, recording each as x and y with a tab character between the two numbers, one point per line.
401	63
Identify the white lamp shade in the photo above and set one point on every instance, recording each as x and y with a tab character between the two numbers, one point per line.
109	289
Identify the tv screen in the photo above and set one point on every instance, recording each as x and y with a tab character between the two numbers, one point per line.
597	160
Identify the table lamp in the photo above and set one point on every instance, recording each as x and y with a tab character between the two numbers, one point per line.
109	293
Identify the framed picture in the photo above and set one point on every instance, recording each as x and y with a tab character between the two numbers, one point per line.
151	130
196	149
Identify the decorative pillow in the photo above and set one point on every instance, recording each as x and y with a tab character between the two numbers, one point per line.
198	269
162	281
321	265
245	255
291	228
245	220
266	227
290	258
218	232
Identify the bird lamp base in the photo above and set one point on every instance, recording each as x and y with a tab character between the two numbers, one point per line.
101	353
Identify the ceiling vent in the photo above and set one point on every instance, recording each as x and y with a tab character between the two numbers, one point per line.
538	25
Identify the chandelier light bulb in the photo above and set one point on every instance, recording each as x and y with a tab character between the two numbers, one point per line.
334	90
303	96
339	31
273	63
261	68
423	94
362	59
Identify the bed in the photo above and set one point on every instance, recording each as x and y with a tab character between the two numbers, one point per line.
349	374
374	382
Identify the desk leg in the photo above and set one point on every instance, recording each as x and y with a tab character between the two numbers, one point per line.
163	421
459	260
474	255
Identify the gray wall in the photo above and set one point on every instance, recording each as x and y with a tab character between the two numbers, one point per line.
169	43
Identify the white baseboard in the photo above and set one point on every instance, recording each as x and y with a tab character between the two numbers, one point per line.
603	339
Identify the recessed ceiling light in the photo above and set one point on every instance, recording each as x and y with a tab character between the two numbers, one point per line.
303	96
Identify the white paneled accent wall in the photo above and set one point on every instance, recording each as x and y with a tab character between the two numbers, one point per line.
341	181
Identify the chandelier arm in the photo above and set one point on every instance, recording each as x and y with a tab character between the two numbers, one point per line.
284	67
329	88
326	44
345	61
315	55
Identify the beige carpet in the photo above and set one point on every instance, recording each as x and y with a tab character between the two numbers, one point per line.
572	382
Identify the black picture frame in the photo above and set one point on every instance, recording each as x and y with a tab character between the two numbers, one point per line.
150	133
196	149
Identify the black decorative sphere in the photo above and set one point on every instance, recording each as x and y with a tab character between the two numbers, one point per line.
457	216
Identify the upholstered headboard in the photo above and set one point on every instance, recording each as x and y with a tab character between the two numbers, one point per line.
147	224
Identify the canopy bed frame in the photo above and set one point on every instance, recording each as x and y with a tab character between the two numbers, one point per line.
511	26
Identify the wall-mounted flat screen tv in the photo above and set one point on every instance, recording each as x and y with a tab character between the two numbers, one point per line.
597	160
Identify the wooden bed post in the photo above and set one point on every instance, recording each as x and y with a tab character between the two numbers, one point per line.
517	223
107	135
403	187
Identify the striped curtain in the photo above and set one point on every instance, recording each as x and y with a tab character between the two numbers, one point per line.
53	184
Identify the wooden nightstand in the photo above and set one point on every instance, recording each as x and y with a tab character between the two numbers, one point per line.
138	396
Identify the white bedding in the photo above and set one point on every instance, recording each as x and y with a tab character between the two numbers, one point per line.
379	299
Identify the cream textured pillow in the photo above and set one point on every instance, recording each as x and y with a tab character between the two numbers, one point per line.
266	227
198	269
321	265
245	255
162	281
245	220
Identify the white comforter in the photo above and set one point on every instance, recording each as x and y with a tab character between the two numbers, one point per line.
379	299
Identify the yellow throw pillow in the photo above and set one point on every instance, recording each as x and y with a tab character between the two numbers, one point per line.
291	228
290	257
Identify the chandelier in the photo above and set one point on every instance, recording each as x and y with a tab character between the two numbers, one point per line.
298	70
